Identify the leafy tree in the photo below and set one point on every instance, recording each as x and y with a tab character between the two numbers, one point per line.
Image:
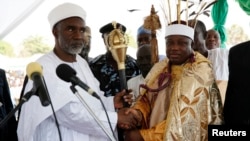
34	45
6	48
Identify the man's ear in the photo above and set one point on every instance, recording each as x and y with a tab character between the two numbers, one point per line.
54	31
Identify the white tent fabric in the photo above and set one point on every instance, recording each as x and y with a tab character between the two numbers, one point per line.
13	12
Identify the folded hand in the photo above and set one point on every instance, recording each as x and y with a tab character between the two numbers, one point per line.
128	118
121	97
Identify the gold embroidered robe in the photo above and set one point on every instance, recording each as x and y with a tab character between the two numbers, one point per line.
184	109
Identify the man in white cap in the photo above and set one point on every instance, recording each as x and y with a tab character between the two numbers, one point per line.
72	121
176	103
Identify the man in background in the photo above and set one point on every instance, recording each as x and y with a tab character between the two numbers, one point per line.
86	49
217	56
143	60
212	39
143	36
8	129
105	68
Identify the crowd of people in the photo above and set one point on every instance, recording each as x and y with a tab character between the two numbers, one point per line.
193	85
15	80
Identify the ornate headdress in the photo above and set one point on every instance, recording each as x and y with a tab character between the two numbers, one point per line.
177	24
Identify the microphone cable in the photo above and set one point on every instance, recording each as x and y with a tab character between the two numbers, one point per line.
56	121
54	114
107	118
68	74
74	90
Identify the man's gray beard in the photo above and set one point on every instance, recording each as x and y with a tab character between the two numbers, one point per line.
73	50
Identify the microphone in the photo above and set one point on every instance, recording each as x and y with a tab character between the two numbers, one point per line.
34	72
68	74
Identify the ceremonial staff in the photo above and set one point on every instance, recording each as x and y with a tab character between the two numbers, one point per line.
118	46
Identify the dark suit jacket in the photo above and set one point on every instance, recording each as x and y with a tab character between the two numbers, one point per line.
237	101
7	130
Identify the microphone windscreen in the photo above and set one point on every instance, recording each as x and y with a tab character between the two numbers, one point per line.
32	68
65	72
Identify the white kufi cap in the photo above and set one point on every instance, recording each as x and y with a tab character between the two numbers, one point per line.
180	29
65	11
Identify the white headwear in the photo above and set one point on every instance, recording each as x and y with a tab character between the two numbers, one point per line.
179	29
65	11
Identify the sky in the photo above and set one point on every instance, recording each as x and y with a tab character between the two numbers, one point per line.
101	12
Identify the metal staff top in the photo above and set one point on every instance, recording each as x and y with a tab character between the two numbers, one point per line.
118	42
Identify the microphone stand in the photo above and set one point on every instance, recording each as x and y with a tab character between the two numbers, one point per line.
72	87
24	99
